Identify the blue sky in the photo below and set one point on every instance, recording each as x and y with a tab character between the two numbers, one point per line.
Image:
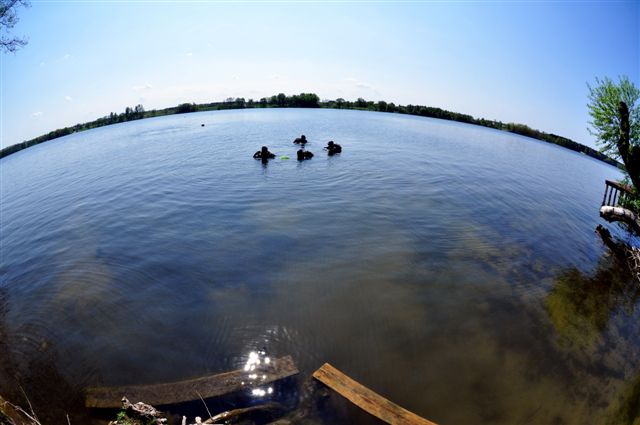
525	62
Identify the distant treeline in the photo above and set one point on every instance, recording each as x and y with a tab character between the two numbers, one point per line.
311	100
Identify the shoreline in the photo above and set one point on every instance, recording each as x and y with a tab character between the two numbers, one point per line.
310	100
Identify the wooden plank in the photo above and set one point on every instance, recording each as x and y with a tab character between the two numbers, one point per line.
606	192
366	399
609	199
192	389
622	187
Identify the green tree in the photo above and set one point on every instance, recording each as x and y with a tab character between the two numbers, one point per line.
184	108
304	100
615	121
8	19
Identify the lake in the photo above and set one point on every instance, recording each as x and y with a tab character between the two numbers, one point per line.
452	268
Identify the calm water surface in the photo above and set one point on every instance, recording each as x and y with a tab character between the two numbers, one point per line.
452	268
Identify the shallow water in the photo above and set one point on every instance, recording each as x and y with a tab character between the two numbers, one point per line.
441	264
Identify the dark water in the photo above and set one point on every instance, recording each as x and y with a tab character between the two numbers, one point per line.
452	268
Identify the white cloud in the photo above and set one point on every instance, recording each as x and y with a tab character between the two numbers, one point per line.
359	87
358	83
189	54
42	64
37	114
68	98
144	86
65	57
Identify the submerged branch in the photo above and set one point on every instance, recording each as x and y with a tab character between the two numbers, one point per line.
623	252
225	416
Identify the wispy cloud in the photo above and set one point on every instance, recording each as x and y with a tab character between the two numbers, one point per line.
358	83
68	98
189	54
42	64
144	86
65	57
37	114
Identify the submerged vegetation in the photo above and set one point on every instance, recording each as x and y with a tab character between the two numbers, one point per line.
585	310
626	409
311	100
580	306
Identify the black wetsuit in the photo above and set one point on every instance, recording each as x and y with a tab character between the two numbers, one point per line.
334	149
302	155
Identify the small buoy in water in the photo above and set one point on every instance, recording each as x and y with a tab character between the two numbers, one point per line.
284	157
201	125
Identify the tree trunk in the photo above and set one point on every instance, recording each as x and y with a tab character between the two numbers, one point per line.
630	154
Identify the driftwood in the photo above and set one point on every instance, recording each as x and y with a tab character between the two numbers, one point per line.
225	416
624	215
366	399
193	389
10	414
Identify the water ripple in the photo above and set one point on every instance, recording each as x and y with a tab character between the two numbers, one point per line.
417	260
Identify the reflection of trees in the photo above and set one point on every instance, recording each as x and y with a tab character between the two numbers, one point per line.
580	305
597	314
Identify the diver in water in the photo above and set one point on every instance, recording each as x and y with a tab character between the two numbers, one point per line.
302	155
302	140
333	148
264	154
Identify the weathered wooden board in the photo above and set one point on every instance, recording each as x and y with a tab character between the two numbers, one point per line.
622	187
366	399
192	389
